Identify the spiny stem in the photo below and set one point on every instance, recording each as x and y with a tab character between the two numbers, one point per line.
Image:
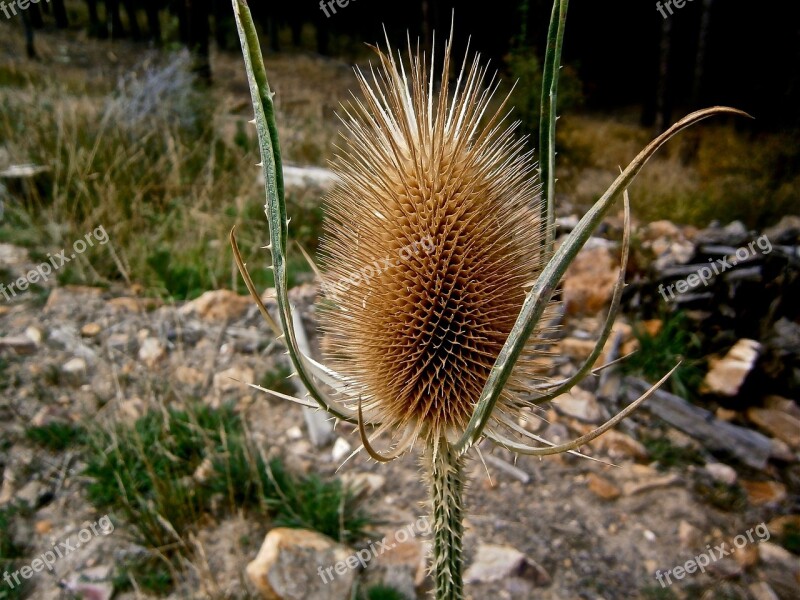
547	122
447	489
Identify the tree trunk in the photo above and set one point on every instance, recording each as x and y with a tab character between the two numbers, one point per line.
702	43
198	31
60	14
663	108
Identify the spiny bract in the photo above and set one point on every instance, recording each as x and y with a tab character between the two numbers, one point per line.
429	242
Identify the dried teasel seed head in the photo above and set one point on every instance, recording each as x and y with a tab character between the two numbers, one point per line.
429	242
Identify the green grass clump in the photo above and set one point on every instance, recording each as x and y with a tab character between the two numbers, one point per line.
325	506
790	538
730	498
148	472
11	555
383	592
659	353
172	469
150	573
656	592
56	437
277	380
668	455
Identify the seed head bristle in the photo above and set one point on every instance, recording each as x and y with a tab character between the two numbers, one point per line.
429	241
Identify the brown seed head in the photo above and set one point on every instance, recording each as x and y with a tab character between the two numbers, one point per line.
428	243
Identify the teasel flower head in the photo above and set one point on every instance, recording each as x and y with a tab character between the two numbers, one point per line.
429	243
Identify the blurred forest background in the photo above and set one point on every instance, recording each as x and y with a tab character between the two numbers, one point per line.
130	129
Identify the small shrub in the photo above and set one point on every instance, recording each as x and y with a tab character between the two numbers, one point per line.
730	498
277	380
659	353
790	538
383	592
11	555
668	455
151	573
311	503
56	437
656	592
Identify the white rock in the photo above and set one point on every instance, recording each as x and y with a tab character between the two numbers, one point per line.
727	374
294	433
151	351
722	473
580	404
341	448
75	369
372	482
34	334
308	176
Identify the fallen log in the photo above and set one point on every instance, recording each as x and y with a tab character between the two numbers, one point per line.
750	447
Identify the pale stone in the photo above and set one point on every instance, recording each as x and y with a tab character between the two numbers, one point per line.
576	348
777	423
727	374
761	591
295	564
780	569
91	330
689	535
341	448
579	404
151	351
189	375
401	567
764	492
589	281
722	473
602	488
218	305
495	563
75	369
233	379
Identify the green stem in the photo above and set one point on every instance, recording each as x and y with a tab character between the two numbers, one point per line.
447	489
547	123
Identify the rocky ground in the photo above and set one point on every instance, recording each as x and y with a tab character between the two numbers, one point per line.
560	527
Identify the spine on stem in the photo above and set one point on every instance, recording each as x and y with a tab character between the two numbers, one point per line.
445	468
